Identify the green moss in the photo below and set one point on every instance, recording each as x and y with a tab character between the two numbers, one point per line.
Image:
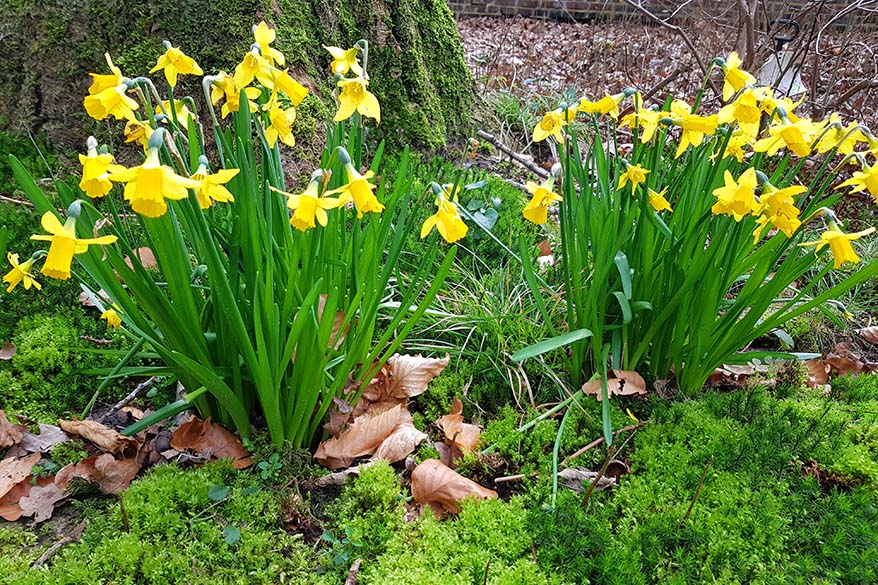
68	452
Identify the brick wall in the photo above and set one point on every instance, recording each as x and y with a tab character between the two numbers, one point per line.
618	10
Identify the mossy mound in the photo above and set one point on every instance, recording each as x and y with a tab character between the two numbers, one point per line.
416	61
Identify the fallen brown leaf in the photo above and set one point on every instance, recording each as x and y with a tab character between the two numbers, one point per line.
363	437
49	436
870	334
337	336
14	469
9	508
206	438
7	350
818	372
404	376
623	383
10	434
145	256
115	475
101	435
459	434
40	502
402	441
435	483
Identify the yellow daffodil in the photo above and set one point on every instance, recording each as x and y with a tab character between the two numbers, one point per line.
309	209
359	190
744	110
866	179
840	244
772	105
647	120
798	136
211	187
694	127
777	207
247	70
224	86
137	131
537	209
634	174
844	138
102	81
64	245
184	115
280	123
148	185
175	62
736	78
264	36
354	97
446	220
20	273
112	318
658	201
96	169
552	123
735	146
606	105
736	198
277	80
344	60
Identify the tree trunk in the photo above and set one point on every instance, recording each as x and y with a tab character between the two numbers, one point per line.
416	63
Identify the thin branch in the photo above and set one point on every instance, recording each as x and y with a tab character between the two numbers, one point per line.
520	159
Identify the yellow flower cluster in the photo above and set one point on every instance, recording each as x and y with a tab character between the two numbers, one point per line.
354	96
753	120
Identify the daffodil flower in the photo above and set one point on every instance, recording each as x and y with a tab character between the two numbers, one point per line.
840	244
735	146
694	127
446	220
358	188
344	60
264	36
252	64
798	136
552	124
175	62
106	95
865	179
777	207
102	81
280	123
309	209
112	318
225	86
149	184
211	186
736	198
647	120
64	244
606	105
20	273
137	131
354	97
183	114
735	78
96	169
635	174
537	209
658	201
744	110
275	80
772	105
843	138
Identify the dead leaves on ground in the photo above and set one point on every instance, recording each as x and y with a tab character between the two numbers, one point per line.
622	383
843	360
27	491
436	485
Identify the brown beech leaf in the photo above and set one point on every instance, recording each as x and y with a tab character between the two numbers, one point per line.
10	434
114	475
49	436
404	376
363	437
623	383
14	469
7	350
84	469
436	483
818	372
9	508
459	434
337	336
207	438
101	435
40	502
401	443
146	257
870	334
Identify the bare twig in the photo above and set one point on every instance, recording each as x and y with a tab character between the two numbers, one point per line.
698	490
610	452
131	396
353	573
599	441
517	157
6	199
74	536
515	477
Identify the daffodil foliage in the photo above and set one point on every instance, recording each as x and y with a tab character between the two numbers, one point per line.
680	248
263	299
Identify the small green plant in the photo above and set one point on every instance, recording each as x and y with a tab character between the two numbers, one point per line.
346	548
270	468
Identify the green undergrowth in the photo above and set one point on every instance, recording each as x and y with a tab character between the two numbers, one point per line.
790	496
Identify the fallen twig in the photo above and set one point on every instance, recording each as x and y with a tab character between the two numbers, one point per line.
517	157
353	573
698	490
515	477
50	552
131	396
599	441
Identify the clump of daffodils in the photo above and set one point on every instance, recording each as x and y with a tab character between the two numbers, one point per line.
754	123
